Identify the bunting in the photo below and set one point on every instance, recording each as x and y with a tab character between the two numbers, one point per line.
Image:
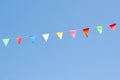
32	38
6	41
73	33
59	34
100	29
19	40
113	27
46	36
86	31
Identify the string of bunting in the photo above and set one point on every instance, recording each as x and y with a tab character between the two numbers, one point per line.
59	34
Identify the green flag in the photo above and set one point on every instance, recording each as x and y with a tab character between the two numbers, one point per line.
100	29
6	41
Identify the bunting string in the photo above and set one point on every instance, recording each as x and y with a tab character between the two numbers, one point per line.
59	34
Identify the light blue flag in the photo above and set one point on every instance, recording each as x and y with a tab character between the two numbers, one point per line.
33	39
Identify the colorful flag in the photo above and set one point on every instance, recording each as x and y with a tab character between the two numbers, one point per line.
46	36
100	29
86	31
33	38
19	40
113	27
73	33
60	35
6	41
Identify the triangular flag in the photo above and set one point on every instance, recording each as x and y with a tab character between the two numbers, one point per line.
33	39
46	36
86	31
100	29
19	40
113	27
60	35
73	33
6	41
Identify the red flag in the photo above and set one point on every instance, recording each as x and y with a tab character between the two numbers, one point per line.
86	31
19	40
113	27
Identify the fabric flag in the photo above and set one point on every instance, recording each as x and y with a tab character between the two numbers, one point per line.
100	29
19	40
33	39
73	33
86	31
113	27
6	41
60	35
46	36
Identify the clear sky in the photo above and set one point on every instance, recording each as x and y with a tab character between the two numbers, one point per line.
94	58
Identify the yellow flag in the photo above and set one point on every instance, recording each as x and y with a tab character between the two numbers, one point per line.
60	35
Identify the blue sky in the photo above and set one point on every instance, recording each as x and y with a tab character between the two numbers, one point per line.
92	58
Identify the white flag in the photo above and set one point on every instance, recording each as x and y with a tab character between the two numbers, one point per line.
46	36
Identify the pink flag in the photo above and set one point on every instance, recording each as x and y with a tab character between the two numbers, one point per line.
73	33
113	27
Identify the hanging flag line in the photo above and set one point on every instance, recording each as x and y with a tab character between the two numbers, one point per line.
59	34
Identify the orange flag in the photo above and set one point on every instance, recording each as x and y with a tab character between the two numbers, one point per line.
19	40
86	31
113	27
